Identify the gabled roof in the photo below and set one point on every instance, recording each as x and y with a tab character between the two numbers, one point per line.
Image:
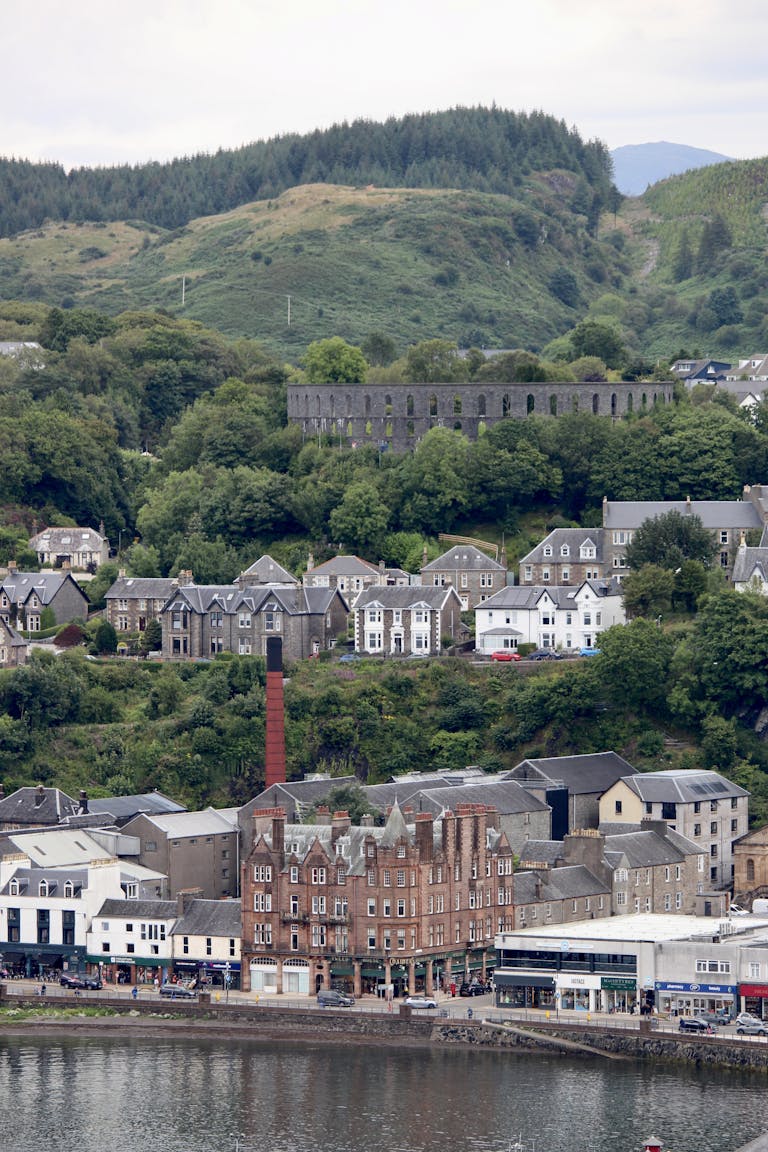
508	796
122	808
19	586
210	918
28	881
463	558
566	882
293	599
712	513
645	849
592	772
209	822
265	570
749	563
395	828
344	566
58	847
682	786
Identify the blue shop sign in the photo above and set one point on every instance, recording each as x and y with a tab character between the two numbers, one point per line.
710	989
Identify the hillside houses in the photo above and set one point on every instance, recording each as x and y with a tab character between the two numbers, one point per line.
560	618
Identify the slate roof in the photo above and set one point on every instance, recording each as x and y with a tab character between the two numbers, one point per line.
210	918
344	566
592	772
46	585
569	882
58	847
508	796
713	514
140	909
141	588
645	849
265	570
682	786
122	808
574	538
28	880
750	562
391	597
14	639
293	599
29	806
66	540
541	852
463	558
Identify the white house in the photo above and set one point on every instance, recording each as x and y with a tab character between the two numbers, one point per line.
559	617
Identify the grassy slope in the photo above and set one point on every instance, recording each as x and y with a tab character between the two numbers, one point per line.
353	260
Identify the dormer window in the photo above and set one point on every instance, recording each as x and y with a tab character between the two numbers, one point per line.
547	549
565	550
69	888
14	887
42	889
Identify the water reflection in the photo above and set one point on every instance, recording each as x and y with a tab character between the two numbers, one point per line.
88	1095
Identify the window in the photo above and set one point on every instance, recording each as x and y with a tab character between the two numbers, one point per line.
318	875
262	934
401	878
713	828
621	898
566	575
387	878
262	901
617	807
294	874
318	905
754	971
262	873
244	620
293	905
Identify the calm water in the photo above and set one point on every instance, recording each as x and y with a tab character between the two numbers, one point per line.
197	1096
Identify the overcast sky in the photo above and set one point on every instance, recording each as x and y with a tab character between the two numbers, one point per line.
98	82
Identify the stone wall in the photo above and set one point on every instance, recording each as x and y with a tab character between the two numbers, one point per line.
396	416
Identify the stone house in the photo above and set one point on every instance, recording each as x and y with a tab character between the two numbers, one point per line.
38	807
566	556
572	786
561	618
265	570
199	621
701	805
406	621
24	596
13	648
726	520
750	568
133	601
404	907
80	548
473	574
132	940
558	894
193	849
348	574
750	866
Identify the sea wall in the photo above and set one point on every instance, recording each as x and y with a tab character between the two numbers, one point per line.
398	1028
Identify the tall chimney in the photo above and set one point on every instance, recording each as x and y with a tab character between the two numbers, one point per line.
274	760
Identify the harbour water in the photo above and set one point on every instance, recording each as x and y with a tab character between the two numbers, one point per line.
92	1095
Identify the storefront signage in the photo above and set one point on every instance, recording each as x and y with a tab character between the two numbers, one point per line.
577	980
705	989
753	989
618	983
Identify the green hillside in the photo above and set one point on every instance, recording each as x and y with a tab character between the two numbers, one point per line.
477	268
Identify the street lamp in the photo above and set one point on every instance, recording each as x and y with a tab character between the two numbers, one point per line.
227	979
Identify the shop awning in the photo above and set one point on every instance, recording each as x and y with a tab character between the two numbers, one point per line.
521	980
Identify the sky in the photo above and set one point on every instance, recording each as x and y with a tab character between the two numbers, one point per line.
102	83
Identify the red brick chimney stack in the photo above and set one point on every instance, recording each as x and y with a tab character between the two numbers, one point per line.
274	759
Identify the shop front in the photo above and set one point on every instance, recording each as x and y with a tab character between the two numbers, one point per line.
755	999
524	990
219	974
578	992
681	999
618	993
118	969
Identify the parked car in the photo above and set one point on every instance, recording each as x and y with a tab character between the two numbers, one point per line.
748	1018
752	1028
589	651
713	1017
177	992
71	982
92	982
696	1024
544	654
472	988
330	998
505	655
420	1002
349	658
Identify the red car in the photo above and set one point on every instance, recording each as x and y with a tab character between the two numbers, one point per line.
506	654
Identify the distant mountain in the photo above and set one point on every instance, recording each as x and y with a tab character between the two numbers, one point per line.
636	166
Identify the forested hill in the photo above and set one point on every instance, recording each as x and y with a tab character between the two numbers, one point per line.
484	149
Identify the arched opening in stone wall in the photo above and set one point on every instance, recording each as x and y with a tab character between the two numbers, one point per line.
388	428
433	405
368	428
409	405
457	425
530	403
481	405
575	402
595	404
387	405
614	404
506	404
367	405
306	404
457	405
349	428
332	404
409	428
553	405
630	402
318	406
750	871
644	400
348	402
481	427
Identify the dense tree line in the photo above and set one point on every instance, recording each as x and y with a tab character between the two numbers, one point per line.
488	149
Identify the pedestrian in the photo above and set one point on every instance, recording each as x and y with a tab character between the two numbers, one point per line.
42	989
135	992
157	984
